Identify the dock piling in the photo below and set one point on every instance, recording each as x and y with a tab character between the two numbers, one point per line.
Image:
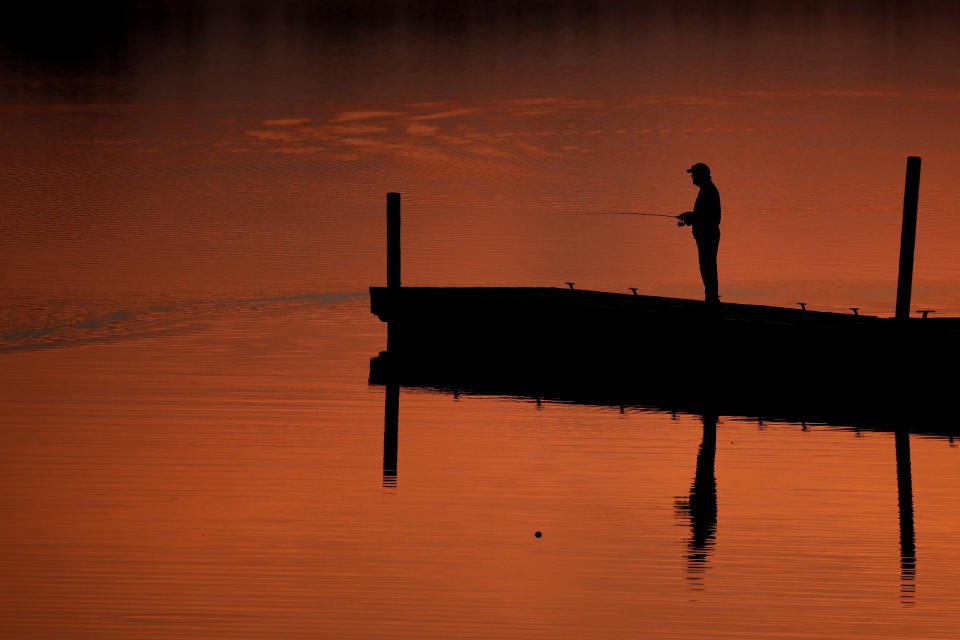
908	237
393	260
393	240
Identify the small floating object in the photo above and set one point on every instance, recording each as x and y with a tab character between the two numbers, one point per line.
803	305
570	284
538	534
856	310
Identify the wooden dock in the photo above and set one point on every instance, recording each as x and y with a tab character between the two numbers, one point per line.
611	348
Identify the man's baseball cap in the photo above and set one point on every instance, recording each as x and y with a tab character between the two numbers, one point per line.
699	168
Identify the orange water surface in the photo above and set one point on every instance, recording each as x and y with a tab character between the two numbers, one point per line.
192	210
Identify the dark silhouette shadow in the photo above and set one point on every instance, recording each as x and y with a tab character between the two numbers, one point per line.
908	547
391	417
701	506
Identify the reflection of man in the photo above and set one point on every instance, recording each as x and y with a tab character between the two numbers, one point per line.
705	219
701	506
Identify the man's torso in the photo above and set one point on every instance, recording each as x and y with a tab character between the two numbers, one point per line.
707	209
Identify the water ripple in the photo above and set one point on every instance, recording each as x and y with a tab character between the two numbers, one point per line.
84	327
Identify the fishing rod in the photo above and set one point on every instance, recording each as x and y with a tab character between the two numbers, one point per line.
626	213
680	221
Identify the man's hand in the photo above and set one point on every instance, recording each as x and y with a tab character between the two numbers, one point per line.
685	218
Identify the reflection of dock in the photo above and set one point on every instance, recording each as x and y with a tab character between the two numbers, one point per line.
700	507
674	386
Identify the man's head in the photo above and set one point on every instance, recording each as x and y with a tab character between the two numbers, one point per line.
699	173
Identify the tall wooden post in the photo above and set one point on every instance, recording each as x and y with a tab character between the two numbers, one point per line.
393	261
908	237
393	240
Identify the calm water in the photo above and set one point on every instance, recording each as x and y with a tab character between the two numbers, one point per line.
192	209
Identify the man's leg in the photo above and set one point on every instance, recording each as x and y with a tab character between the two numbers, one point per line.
707	250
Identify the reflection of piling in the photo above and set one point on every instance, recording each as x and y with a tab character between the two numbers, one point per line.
393	254
391	416
908	237
908	548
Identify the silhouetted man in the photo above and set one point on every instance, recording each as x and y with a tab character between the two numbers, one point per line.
705	220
